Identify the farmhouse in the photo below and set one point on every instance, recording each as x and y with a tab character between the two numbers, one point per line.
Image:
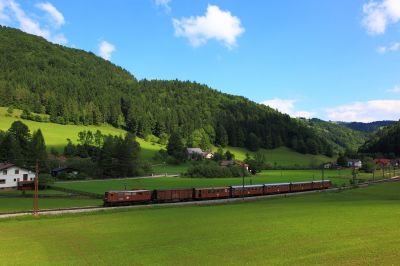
193	152
67	170
11	175
197	152
383	162
356	163
226	163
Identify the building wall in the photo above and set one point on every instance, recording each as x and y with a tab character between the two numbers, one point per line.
11	178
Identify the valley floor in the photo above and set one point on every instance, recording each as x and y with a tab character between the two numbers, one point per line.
348	228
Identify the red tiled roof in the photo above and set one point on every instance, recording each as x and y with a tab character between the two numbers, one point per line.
4	166
383	161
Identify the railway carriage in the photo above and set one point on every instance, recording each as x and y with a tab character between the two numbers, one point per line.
247	191
301	186
173	195
276	188
127	197
211	193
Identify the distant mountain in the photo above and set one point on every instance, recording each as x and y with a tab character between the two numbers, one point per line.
385	141
342	138
77	87
367	127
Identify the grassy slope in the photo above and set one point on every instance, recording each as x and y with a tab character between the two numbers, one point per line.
180	182
56	135
348	228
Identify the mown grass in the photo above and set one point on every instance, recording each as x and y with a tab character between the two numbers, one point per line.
271	176
26	204
348	228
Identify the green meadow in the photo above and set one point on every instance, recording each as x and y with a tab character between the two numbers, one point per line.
14	204
338	178
353	227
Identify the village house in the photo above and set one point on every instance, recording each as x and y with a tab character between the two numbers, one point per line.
197	152
226	163
383	162
354	163
11	175
64	170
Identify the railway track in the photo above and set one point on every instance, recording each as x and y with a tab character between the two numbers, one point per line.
186	203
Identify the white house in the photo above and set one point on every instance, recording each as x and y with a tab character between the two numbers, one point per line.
354	163
11	174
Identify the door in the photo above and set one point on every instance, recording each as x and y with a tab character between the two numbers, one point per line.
25	177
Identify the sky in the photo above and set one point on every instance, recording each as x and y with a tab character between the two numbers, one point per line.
335	60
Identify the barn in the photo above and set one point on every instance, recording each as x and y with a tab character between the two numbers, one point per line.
11	175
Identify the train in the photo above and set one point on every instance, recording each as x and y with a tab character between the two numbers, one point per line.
143	196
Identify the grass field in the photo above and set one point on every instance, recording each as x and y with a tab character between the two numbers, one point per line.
348	228
271	176
26	204
56	136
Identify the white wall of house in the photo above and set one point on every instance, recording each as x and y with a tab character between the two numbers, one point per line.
9	177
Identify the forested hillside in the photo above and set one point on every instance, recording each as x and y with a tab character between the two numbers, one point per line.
74	86
385	141
367	127
339	136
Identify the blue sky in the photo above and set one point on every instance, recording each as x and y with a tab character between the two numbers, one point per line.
336	60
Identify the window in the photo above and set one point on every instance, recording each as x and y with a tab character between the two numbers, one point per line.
2	181
15	179
17	172
4	172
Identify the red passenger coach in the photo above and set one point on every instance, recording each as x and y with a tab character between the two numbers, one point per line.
301	186
277	188
127	197
247	191
173	195
318	184
327	184
211	193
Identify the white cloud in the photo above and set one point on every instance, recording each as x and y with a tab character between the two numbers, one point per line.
16	16
53	13
394	47
106	49
366	111
287	106
395	89
215	24
379	14
164	4
381	49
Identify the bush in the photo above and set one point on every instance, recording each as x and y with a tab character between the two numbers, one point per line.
211	169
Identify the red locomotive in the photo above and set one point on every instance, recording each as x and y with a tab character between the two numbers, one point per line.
113	198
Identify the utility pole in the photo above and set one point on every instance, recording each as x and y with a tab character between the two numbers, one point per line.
243	183
36	196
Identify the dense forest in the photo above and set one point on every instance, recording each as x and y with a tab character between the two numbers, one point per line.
74	86
385	141
367	127
342	138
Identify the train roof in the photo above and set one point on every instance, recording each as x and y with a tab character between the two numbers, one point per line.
277	184
247	186
198	188
129	191
167	189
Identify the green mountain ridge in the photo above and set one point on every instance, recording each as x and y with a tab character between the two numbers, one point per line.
72	86
385	141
